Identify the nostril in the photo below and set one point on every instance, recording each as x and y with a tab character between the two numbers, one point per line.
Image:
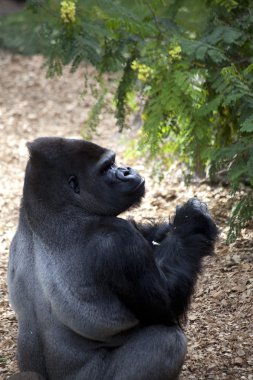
124	171
123	174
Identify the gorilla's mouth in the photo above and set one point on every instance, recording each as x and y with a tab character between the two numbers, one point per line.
139	187
142	183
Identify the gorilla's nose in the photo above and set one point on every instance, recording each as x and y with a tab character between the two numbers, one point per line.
124	173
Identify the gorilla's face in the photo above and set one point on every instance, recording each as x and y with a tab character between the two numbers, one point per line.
83	174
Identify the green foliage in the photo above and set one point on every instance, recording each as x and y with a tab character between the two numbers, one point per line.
124	88
189	62
21	33
92	121
241	214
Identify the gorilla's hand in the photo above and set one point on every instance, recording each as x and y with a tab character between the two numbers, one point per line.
193	218
153	232
162	232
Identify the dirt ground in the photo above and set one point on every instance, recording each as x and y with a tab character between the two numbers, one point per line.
219	326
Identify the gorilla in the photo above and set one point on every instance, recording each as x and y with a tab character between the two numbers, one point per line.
99	297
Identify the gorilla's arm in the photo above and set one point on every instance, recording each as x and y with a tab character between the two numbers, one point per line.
127	265
158	286
153	232
192	236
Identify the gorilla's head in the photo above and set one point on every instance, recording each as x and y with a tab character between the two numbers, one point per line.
65	172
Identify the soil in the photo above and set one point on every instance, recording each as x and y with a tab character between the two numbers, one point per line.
219	326
10	6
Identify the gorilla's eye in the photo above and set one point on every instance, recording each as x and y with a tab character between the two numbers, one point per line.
106	166
107	162
73	183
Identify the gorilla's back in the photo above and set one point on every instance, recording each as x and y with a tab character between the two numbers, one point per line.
21	266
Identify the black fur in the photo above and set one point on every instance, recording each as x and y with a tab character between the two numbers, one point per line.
95	295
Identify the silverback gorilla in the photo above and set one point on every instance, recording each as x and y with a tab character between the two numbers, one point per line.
98	297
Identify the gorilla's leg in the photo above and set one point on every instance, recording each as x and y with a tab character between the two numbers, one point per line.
26	376
29	349
153	353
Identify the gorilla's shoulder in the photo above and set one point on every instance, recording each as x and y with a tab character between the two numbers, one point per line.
117	233
115	224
